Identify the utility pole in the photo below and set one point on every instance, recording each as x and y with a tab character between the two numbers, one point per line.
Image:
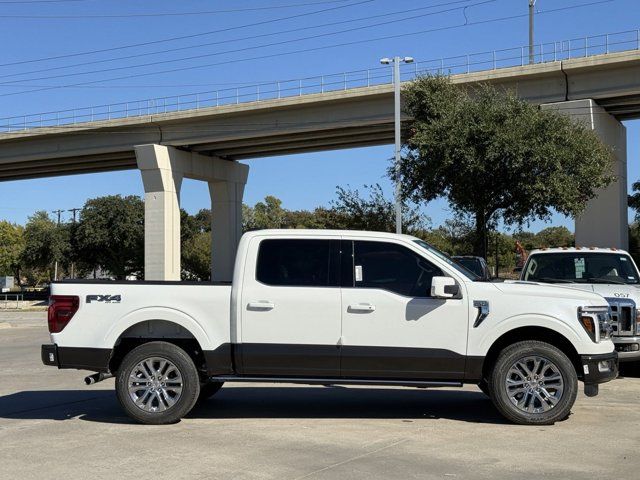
55	268
73	212
532	53
59	212
73	265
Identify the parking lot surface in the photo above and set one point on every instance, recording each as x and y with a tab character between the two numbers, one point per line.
53	426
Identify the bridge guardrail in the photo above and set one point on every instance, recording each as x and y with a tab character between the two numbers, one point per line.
476	62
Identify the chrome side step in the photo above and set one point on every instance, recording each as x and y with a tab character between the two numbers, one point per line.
335	381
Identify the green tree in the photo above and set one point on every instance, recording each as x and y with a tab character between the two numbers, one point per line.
454	236
196	257
110	235
634	199
202	220
495	157
554	237
11	248
374	212
263	215
44	244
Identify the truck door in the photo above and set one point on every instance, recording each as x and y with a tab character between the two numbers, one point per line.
290	308
391	327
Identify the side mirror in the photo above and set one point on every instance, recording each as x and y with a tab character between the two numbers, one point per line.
444	287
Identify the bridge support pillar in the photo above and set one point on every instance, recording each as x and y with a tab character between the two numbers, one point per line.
226	226
604	221
162	183
163	169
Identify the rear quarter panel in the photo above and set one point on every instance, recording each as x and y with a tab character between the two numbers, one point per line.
203	310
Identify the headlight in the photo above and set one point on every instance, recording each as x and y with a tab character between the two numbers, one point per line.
637	321
596	321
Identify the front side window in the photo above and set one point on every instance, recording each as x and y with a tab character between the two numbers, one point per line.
392	267
581	267
298	263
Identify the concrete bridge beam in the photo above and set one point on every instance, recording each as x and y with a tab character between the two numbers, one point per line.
163	169
604	221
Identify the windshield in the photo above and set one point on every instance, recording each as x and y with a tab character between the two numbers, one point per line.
443	256
578	267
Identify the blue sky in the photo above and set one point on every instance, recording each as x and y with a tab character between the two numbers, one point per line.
301	181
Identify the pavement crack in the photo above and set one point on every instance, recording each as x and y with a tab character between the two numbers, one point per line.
357	457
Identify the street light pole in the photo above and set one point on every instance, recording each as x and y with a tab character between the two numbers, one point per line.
396	109
532	4
397	129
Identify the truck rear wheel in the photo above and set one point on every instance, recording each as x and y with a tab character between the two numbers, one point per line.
157	383
533	383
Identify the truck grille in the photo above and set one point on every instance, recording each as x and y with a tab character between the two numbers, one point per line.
623	316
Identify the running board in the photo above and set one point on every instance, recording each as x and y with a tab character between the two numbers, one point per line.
335	381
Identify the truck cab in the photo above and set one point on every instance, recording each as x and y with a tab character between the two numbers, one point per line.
609	272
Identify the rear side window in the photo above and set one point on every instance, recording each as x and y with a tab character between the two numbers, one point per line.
298	263
392	267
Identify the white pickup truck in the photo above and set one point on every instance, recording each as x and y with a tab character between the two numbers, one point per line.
609	272
335	307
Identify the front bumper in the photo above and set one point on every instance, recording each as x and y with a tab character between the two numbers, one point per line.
599	368
628	348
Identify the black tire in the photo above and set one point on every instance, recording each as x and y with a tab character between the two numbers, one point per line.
558	366
169	406
208	390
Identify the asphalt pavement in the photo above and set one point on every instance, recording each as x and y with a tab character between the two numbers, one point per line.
53	426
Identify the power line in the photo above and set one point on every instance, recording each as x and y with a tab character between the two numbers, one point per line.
312	49
565	55
252	37
243	49
27	2
167	14
184	37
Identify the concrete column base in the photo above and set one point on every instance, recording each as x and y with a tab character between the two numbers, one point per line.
604	221
163	169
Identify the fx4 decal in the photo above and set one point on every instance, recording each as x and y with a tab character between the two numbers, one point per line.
104	298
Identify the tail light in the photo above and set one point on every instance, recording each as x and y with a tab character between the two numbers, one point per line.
62	308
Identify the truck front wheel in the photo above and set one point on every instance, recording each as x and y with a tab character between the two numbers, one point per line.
533	383
157	383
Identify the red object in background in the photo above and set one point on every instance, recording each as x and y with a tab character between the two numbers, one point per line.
521	254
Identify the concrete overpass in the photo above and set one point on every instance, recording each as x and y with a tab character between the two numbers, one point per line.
205	142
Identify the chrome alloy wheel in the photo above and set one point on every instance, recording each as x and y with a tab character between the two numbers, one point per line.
534	384
155	384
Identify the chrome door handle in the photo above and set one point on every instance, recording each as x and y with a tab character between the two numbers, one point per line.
361	307
261	305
